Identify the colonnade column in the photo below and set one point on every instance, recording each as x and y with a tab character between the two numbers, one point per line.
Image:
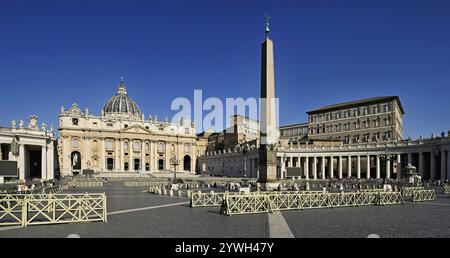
378	167
50	161
44	162
432	166
368	167
306	169
331	167
349	166
399	166
283	167
388	168
21	162
421	165
448	164
410	158
358	167
315	167
443	174
323	167
340	166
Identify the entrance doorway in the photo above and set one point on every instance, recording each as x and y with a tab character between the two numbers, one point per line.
187	163
35	164
137	164
161	164
109	164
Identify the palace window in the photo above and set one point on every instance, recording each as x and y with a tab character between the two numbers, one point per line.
137	146
161	147
75	143
387	121
377	122
109	144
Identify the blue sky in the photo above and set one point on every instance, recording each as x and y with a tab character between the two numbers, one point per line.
55	53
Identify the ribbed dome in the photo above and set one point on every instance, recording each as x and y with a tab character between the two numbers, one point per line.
122	104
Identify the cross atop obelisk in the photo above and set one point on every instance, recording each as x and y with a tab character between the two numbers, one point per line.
267	25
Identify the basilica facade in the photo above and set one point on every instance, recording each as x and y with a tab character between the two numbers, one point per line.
122	139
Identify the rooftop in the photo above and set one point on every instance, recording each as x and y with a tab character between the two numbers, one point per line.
357	103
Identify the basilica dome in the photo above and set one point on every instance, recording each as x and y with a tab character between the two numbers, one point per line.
121	104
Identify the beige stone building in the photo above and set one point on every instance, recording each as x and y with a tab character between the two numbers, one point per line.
29	149
121	139
378	119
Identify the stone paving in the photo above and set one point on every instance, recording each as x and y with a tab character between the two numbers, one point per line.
168	217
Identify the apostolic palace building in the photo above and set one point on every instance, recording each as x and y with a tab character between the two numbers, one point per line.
121	139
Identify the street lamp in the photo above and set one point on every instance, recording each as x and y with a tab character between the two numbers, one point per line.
245	151
386	156
174	162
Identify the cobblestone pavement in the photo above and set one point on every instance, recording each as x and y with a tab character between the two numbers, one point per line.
172	217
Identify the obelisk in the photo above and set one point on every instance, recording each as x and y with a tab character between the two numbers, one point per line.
268	126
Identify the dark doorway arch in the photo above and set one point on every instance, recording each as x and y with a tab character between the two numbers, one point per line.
187	163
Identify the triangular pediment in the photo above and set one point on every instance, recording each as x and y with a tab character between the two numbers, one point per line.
135	129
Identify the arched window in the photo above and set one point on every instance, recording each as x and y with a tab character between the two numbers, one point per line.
126	166
147	146
125	145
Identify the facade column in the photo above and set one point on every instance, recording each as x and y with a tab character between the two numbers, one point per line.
102	155
122	156
44	162
388	168
306	170
290	159
323	167
421	165
349	166
143	156
22	162
315	168
340	167
432	166
368	167
331	167
87	152
443	174
117	151
358	167
378	167
399	166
